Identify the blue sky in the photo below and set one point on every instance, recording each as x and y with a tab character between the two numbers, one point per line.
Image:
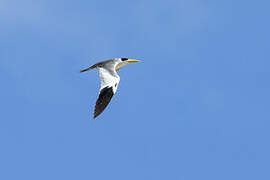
197	107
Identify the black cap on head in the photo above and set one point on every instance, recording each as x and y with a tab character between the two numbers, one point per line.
124	59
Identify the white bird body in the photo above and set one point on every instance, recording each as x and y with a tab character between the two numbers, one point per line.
109	80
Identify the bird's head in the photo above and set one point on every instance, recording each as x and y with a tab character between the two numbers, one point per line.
121	62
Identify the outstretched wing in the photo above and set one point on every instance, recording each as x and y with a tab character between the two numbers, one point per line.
103	100
109	84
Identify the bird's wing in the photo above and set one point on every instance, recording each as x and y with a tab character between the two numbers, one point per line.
109	83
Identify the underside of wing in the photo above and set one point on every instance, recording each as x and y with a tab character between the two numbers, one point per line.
104	99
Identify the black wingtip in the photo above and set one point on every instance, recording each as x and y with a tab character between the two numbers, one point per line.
87	69
103	100
96	114
90	68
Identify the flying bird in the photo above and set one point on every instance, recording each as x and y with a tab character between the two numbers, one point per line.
109	80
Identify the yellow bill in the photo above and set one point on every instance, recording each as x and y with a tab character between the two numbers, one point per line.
133	60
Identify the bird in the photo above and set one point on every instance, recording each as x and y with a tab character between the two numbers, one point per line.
109	80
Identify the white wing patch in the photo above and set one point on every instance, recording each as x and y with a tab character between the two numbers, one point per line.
108	79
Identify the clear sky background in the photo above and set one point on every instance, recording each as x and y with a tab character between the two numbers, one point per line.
197	107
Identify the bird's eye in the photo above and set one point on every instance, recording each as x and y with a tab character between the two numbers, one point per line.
124	59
